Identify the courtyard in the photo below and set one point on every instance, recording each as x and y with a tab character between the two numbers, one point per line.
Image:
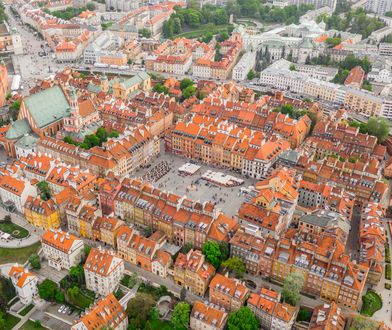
194	187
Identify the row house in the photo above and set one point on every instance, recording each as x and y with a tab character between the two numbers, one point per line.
193	272
61	249
38	166
206	316
351	140
227	292
106	313
328	272
363	180
103	271
372	239
327	316
41	213
271	313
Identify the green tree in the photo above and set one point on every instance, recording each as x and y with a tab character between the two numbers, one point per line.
138	310
236	265
37	324
59	297
3	322
363	323
159	88
224	249
292	286
35	261
251	75
378	127
243	319
213	254
47	290
86	250
186	82
44	190
183	293
181	315
188	92
232	7
145	33
293	67
91	6
77	274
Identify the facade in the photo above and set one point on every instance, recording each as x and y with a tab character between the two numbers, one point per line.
227	292
193	272
244	65
25	284
103	271
41	213
61	249
380	7
15	191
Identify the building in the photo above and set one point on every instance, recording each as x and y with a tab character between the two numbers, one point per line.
355	78
14	192
193	272
25	284
10	41
61	249
328	317
103	271
244	65
271	313
207	317
316	3
41	213
3	84
380	7
227	292
107	312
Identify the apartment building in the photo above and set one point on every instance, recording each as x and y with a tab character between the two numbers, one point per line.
25	284
271	313
41	213
327	316
103	271
355	78
61	249
107	312
193	272
207	317
244	65
316	3
372	240
15	191
380	7
227	292
362	102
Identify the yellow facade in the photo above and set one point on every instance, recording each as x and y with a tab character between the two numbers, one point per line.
45	221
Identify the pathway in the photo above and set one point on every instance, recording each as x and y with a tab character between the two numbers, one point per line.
23	320
34	237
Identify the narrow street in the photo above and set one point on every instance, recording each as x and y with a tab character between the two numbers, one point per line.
352	245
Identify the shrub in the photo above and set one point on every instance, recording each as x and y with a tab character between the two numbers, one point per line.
387	286
388	271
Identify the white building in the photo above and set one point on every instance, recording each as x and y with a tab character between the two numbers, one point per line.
316	3
244	65
15	191
61	249
103	271
121	5
106	41
385	49
25	284
379	7
283	79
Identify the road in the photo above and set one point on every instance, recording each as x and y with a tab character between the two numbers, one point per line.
352	245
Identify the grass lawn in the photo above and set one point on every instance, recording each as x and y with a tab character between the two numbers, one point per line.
372	302
82	301
19	255
160	325
10	321
13	229
29	325
198	33
25	310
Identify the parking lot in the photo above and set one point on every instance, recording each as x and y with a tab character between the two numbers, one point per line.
228	199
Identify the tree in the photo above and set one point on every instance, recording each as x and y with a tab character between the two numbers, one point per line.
292	286
213	254
44	190
138	310
90	6
243	319
363	323
2	320
188	92
86	250
251	75
47	290
181	315
293	67
159	88
35	261
77	274
186	82
378	127
59	297
236	265
224	249
37	324
145	33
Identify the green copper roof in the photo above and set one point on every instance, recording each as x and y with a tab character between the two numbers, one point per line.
94	88
18	129
137	79
27	142
47	106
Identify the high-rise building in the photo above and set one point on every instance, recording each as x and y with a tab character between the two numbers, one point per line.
379	7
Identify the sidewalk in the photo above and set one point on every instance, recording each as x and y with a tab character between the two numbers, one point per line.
34	237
